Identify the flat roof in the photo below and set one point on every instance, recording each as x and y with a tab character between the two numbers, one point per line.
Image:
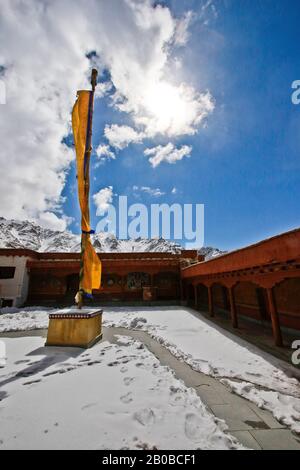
279	248
102	255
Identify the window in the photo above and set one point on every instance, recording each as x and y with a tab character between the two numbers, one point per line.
6	303
7	272
137	280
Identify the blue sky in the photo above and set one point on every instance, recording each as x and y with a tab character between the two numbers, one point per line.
244	164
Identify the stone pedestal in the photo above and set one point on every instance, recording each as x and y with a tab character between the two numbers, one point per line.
74	327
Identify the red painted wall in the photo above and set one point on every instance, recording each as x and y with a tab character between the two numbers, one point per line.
287	298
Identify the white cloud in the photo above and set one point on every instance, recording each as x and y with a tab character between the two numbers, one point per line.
156	104
208	12
167	110
174	111
46	63
120	136
104	152
154	192
50	220
102	89
44	66
167	153
102	199
181	34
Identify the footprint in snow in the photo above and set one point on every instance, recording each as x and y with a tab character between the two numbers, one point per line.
193	427
32	382
88	405
114	363
126	398
146	417
141	365
177	396
128	380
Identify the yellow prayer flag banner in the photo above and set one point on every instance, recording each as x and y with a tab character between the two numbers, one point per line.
80	117
91	278
90	272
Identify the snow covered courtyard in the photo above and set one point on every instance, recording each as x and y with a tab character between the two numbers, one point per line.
116	396
112	396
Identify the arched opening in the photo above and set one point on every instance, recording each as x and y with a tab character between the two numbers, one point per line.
287	300
251	301
220	298
202	297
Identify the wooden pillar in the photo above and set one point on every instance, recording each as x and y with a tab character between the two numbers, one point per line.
181	290
233	312
196	296
210	301
274	317
187	291
124	279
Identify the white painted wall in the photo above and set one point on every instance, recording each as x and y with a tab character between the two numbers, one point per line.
16	288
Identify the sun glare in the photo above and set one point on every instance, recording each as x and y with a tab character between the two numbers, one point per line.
165	103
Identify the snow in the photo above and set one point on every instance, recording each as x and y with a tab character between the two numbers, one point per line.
113	396
30	318
285	408
209	252
249	372
26	234
2	354
213	351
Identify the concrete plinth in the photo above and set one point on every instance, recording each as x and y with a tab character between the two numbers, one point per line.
74	327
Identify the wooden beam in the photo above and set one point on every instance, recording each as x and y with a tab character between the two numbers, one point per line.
210	301
182	296
196	296
274	317
187	293
233	312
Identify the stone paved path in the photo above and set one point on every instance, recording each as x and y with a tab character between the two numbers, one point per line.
252	426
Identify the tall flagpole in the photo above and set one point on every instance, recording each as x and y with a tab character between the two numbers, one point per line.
87	155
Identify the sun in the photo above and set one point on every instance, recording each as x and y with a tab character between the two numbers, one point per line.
166	105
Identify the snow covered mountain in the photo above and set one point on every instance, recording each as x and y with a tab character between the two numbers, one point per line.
209	252
25	234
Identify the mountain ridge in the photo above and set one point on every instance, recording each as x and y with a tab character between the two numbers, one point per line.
30	235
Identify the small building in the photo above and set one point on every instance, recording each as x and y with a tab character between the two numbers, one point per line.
14	276
33	278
